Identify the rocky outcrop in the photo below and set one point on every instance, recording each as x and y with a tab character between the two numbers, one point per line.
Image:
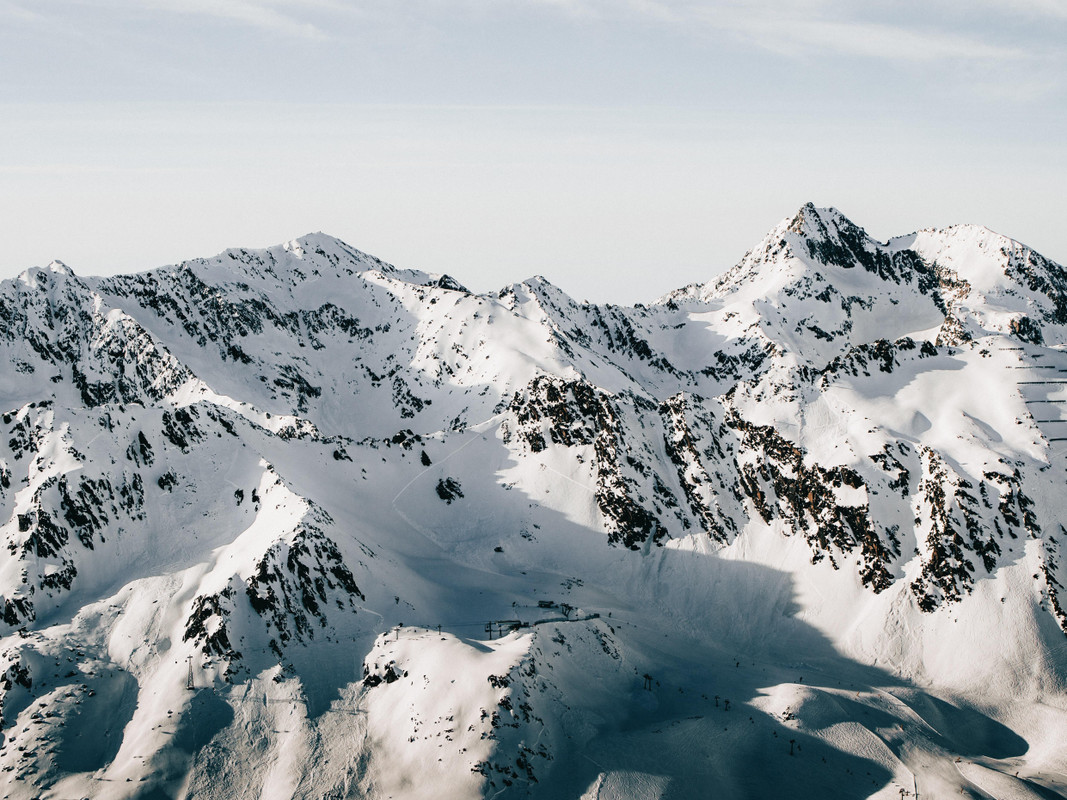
575	414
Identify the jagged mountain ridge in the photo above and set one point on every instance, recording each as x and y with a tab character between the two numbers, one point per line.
220	439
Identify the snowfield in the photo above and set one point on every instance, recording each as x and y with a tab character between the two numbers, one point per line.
295	523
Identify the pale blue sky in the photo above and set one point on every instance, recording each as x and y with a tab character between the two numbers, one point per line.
621	148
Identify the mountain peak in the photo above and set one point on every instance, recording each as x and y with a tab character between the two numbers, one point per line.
827	224
330	247
805	213
812	238
987	261
318	243
60	268
291	263
46	275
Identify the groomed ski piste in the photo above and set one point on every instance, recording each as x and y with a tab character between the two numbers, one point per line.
295	523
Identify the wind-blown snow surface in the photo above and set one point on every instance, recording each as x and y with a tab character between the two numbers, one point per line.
817	502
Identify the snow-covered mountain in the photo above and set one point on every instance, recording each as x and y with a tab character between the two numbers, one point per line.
297	523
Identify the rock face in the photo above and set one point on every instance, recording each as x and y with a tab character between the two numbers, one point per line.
372	534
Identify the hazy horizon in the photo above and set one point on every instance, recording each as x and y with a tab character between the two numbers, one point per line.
621	150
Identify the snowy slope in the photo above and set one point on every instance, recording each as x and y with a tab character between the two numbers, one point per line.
298	523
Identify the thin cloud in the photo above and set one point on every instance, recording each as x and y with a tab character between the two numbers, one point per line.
872	40
1048	9
285	17
804	27
14	11
791	27
1051	8
256	15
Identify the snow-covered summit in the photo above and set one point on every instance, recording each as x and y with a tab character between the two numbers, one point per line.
310	259
55	269
60	268
995	281
973	252
844	286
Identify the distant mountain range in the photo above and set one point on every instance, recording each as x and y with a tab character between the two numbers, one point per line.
297	523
